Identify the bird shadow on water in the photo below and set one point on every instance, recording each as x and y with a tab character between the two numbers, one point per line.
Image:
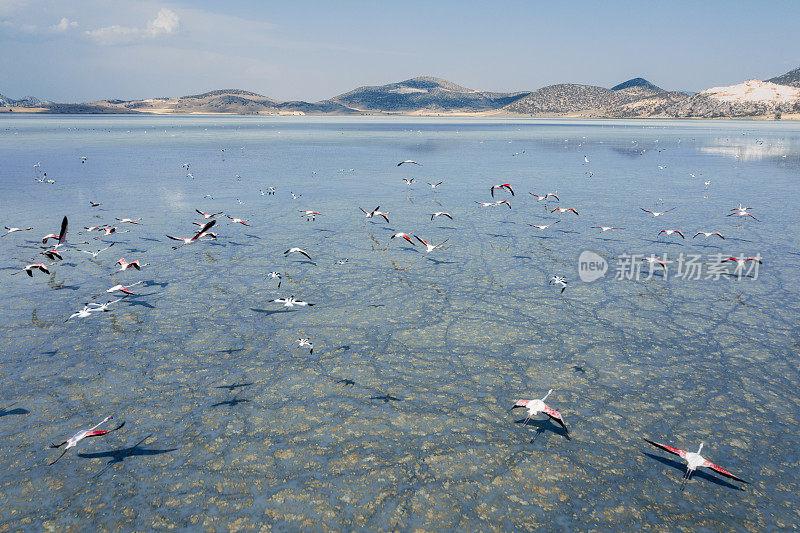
272	311
697	473
141	304
120	454
233	402
16	411
543	426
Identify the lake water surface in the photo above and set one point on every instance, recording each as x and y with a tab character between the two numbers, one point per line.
399	419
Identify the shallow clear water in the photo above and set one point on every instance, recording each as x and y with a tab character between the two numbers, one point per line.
437	347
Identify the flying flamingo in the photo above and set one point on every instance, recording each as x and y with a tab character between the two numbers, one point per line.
125	265
434	185
129	220
369	214
14	230
559	280
123	288
52	254
291	301
310	215
693	461
428	246
83	313
494	204
208	215
671	231
544	226
441	214
562	210
402	235
535	407
707	234
604	229
545	197
62	235
95	254
305	342
102	307
275	275
408	181
79	436
653	260
95	204
197	236
743	213
656	213
30	268
502	186
742	260
408	162
297	250
238	220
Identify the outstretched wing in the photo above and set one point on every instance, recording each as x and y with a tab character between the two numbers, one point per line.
62	235
555	415
98	432
670	449
721	471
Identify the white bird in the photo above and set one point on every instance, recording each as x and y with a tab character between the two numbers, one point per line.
276	275
441	214
123	288
656	213
544	226
604	229
102	307
402	235
562	210
494	204
408	162
10	230
707	234
535	407
693	461
671	231
434	185
79	436
297	250
95	254
83	313
291	301
305	342
559	280
428	246
295	196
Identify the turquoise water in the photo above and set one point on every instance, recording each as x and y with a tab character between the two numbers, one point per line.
399	419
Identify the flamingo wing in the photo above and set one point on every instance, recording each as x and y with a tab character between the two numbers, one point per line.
555	415
98	432
670	449
722	471
62	235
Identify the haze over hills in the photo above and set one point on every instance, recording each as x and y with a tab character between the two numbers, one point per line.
429	96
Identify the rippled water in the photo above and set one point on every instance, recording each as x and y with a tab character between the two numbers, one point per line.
399	419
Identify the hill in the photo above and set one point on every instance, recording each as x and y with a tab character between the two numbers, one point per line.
791	78
636	82
424	94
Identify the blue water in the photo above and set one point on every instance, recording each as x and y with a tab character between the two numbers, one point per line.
229	424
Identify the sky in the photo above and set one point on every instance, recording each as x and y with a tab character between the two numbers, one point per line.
84	50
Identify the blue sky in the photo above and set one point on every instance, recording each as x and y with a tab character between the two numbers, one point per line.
83	50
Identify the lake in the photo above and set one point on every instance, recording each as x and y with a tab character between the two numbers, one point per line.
400	418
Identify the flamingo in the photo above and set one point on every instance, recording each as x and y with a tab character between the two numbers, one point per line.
502	186
95	254
93	228
383	214
408	162
434	185
428	246
123	288
305	342
535	407
743	213
544	226
559	280
545	197
238	220
408	181
52	254
494	204
291	301
310	215
742	259
707	234
275	275
62	235
562	210
297	250
653	260
693	461
656	213
369	214
197	236
129	220
95	204
402	235
671	231
83	313
102	307
79	436
125	265
10	230
295	196
30	268
208	215
441	214
604	229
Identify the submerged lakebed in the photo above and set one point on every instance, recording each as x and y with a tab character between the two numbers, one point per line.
399	419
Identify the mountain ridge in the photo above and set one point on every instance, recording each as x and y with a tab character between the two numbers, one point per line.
432	96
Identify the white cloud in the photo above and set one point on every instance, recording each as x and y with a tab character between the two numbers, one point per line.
64	25
165	23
